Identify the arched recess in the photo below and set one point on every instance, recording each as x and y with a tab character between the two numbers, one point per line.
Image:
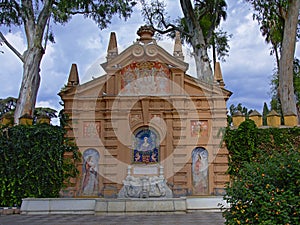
90	173
145	144
200	171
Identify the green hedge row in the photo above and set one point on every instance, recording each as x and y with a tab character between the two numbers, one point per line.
32	162
248	142
264	165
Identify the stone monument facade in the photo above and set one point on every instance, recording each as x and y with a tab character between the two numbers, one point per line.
145	113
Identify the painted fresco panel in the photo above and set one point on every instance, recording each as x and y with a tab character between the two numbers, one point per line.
145	78
146	147
90	178
91	129
200	171
199	128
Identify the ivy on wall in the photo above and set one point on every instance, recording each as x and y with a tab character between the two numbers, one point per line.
32	162
247	143
265	175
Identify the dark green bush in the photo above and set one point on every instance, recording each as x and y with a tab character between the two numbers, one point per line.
242	144
247	143
32	162
265	175
266	192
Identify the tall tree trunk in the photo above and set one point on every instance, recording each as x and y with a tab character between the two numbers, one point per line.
286	87
30	83
34	26
203	67
204	71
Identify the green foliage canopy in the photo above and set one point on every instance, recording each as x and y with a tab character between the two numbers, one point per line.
17	12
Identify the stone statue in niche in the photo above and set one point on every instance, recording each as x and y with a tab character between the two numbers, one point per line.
200	170
145	147
90	173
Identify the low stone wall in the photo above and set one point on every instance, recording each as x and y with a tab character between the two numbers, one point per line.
273	119
9	210
119	206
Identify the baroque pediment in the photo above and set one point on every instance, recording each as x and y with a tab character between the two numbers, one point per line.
145	68
140	52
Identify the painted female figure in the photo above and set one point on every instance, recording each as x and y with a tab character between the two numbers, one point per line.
90	171
145	145
200	170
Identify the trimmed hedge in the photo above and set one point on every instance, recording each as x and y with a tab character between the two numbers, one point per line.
32	162
248	142
265	175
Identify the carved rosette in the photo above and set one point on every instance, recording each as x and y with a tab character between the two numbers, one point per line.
138	51
151	50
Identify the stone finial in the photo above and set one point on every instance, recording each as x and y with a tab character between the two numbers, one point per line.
255	113
290	119
273	113
146	34
218	74
178	47
237	119
73	76
112	50
26	119
7	118
43	119
256	117
273	119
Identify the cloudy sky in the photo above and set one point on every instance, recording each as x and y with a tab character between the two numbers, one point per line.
247	71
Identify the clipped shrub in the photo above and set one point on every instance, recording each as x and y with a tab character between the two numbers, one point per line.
242	145
32	162
267	191
265	175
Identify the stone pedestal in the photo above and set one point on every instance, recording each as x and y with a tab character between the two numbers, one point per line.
256	117
237	119
291	120
273	119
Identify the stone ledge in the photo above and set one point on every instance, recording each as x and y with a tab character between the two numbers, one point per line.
205	203
159	205
9	210
119	206
58	206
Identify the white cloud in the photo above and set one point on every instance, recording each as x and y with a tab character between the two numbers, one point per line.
11	66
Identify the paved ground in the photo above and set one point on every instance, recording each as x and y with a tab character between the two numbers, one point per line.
202	218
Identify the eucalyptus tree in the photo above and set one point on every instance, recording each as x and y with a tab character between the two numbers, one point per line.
197	28
279	21
34	17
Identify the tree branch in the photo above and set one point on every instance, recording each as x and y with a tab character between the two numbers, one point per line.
11	47
44	14
188	12
163	26
47	33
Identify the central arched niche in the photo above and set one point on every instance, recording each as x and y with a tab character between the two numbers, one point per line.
145	146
